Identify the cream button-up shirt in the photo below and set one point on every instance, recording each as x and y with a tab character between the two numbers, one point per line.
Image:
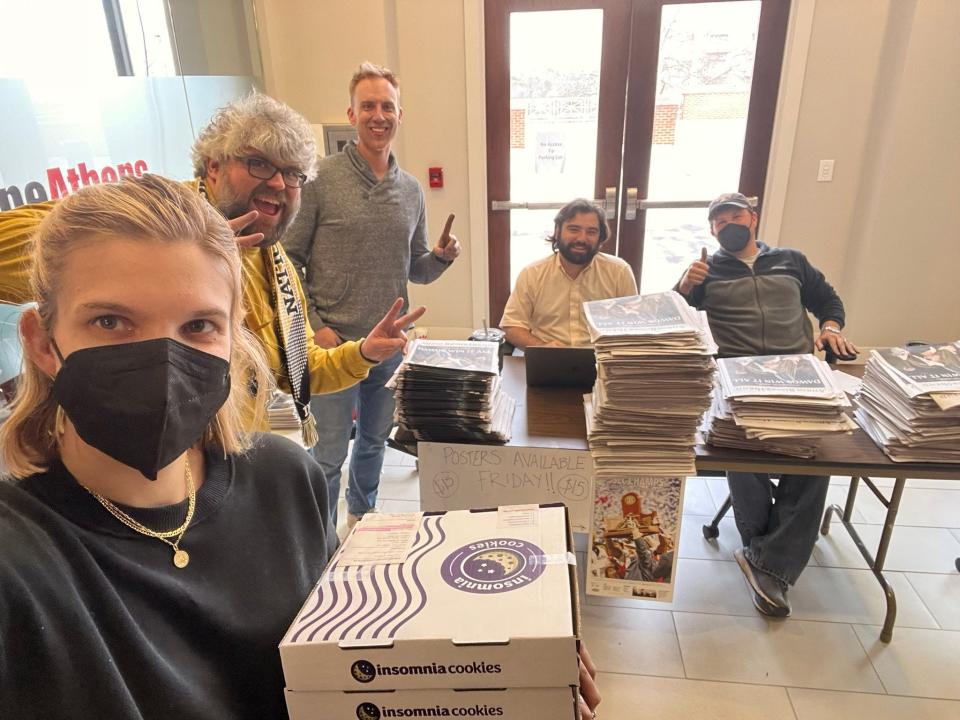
548	303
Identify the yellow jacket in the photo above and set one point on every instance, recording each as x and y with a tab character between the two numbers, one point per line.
330	370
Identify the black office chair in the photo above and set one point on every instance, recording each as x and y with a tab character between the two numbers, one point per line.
712	531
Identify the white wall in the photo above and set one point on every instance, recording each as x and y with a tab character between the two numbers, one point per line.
876	89
881	96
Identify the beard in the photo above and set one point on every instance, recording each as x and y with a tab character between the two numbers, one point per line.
232	204
575	258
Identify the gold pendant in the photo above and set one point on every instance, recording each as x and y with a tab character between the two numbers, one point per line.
181	559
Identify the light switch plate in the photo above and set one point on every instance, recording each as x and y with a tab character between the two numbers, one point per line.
825	172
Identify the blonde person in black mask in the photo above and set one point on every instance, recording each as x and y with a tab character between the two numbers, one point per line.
152	553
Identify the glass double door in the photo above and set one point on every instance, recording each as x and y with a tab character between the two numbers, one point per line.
649	107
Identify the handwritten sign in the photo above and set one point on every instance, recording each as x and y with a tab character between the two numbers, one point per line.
460	477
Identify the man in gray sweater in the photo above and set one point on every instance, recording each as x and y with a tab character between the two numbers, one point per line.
360	236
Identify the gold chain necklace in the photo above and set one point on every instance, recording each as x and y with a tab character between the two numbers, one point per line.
180	557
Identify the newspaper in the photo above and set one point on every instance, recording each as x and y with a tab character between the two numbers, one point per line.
909	403
450	391
946	401
922	369
475	356
666	314
775	375
782	404
850	384
281	412
635	531
654	378
635	315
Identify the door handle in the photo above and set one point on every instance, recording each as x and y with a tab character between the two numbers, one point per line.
630	211
608	203
634	204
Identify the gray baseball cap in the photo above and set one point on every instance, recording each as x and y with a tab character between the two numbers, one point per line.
728	200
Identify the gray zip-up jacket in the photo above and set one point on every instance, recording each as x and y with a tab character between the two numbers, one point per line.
360	240
763	311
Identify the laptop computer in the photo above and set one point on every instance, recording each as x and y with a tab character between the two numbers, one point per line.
560	367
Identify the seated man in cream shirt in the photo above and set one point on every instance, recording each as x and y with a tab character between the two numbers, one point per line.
546	306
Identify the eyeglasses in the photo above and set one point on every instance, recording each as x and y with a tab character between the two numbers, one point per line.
262	170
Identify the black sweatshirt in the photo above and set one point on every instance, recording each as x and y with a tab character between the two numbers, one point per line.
96	622
762	311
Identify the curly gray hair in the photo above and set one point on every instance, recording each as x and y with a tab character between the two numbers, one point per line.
257	121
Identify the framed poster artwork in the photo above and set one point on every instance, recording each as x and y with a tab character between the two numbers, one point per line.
336	137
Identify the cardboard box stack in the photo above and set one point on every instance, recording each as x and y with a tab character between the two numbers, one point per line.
909	403
459	614
449	391
654	377
782	404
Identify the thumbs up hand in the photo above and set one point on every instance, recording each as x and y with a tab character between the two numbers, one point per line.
695	274
447	247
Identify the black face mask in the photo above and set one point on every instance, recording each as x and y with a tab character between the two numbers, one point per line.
142	403
733	237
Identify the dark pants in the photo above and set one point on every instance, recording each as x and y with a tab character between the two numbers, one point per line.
778	525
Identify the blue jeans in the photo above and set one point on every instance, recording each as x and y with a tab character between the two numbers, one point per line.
334	413
778	525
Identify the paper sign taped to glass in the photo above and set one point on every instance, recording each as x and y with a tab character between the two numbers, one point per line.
634	535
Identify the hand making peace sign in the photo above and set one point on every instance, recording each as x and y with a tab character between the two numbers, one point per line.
388	337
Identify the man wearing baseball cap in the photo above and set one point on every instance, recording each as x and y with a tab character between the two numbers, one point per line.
757	298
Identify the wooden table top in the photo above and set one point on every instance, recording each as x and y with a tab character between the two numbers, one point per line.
554	418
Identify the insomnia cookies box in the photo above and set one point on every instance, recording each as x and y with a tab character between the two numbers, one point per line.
459	600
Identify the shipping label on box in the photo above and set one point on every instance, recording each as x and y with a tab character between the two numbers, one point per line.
484	599
507	704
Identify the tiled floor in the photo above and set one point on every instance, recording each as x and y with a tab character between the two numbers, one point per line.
710	655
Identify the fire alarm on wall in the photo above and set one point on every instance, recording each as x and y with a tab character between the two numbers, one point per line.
436	177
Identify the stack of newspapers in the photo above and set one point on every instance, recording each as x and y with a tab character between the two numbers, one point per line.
449	391
654	377
282	413
781	404
909	403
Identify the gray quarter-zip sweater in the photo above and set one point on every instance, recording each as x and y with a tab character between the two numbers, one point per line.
359	240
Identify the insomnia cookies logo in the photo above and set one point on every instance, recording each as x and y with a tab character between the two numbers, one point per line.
363	671
368	711
493	566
